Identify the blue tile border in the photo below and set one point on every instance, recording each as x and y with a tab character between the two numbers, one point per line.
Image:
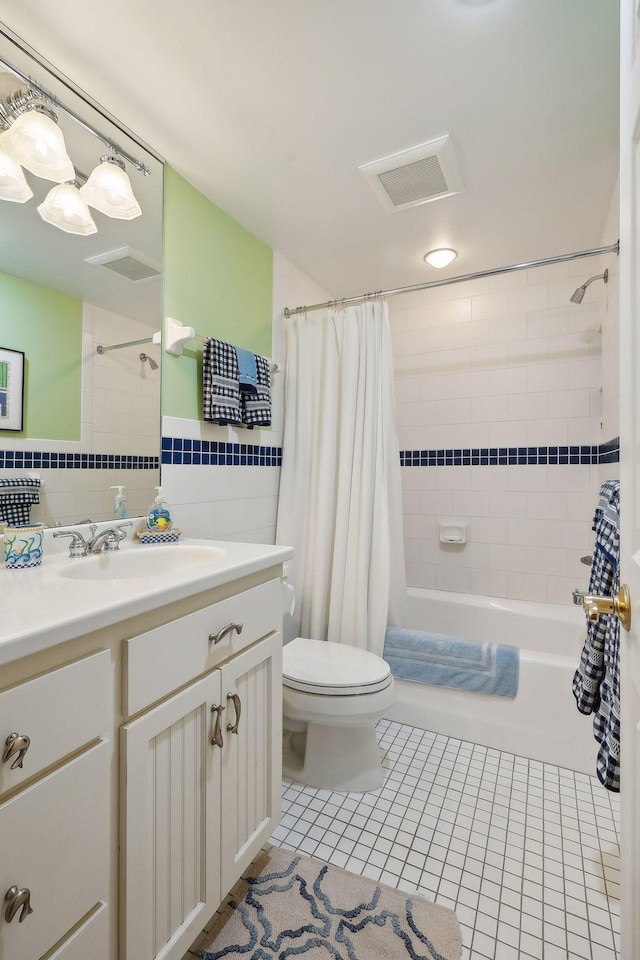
513	456
40	460
212	453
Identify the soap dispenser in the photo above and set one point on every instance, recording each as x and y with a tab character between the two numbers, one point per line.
119	504
159	518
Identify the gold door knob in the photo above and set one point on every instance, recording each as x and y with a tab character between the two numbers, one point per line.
619	606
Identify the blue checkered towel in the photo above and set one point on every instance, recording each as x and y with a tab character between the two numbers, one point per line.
256	408
490	668
220	386
17	496
596	683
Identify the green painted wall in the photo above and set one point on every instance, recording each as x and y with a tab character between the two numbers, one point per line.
217	278
47	326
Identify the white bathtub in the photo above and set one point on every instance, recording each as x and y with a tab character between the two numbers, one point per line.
542	723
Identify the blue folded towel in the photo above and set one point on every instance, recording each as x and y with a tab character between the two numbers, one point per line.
490	668
248	373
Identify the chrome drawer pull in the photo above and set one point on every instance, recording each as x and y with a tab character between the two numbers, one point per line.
216	739
233	727
17	900
16	745
221	634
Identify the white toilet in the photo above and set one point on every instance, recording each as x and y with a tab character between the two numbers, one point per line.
333	694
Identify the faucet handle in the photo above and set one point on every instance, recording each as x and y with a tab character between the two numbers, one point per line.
78	546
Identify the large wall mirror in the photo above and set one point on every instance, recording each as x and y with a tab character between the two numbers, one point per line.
88	420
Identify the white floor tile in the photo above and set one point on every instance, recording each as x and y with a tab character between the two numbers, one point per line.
525	852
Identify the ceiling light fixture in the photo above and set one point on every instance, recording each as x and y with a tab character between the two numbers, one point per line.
65	208
440	258
31	138
13	185
37	143
109	190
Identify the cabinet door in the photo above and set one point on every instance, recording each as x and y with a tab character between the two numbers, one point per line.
171	821
252	757
55	845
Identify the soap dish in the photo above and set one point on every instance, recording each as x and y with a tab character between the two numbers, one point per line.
159	536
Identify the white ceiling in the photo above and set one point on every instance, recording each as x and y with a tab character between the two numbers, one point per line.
269	108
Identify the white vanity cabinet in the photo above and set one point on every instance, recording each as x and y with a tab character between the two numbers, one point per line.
54	813
200	769
122	825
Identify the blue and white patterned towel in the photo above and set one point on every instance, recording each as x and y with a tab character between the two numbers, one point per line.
17	496
220	385
256	408
490	668
596	683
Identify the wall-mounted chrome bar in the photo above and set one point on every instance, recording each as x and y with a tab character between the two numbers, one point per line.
613	248
118	346
36	91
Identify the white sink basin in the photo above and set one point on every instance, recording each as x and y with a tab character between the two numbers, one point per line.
143	561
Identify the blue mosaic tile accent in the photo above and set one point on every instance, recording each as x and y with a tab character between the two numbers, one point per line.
212	453
513	456
34	460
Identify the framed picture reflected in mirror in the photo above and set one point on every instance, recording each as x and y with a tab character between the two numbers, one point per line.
11	389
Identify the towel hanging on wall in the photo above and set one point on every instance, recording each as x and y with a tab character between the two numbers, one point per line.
596	683
220	384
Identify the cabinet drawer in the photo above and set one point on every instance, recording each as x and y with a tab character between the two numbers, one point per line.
55	842
59	712
170	656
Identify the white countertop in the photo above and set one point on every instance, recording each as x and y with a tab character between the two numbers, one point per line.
40	608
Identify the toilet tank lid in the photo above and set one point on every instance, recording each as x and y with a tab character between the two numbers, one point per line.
325	664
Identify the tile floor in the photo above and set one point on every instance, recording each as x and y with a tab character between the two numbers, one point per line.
526	853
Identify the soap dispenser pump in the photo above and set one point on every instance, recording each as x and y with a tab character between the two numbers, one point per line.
119	504
159	518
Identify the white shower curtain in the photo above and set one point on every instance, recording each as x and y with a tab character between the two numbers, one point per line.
340	492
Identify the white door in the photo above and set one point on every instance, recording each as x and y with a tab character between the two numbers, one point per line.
630	467
171	821
252	754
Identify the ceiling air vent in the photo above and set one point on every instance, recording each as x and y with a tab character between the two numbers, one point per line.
427	172
129	263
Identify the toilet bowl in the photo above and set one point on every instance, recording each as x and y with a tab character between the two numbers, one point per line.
333	694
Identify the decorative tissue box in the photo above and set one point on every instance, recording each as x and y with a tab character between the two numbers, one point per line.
158	536
23	545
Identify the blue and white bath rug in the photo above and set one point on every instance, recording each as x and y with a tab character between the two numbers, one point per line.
291	906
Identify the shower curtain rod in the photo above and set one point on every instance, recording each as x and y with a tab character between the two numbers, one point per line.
613	248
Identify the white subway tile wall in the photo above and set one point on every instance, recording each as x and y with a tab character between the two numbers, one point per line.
505	361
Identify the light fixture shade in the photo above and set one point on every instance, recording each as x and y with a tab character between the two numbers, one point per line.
13	185
36	142
109	190
441	257
63	207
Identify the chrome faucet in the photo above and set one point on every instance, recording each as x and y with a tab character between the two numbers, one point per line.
107	541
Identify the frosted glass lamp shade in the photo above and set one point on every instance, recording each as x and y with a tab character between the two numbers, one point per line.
37	143
440	258
109	190
13	185
63	207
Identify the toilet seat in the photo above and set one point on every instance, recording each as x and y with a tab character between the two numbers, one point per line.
325	669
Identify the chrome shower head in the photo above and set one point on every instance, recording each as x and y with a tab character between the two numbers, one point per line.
578	294
152	362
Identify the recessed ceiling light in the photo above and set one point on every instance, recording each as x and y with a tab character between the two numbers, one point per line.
441	257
